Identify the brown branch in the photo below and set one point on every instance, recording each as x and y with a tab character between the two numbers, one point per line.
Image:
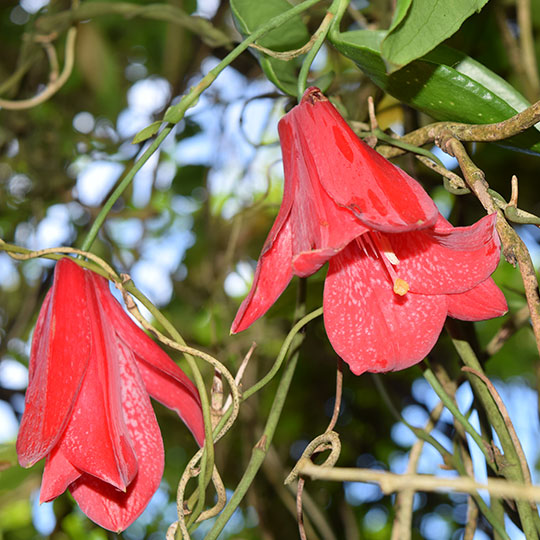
514	248
517	320
473	175
274	472
299	511
160	12
456	183
467	132
289	55
55	81
509	425
339	393
402	526
392	482
322	447
489	132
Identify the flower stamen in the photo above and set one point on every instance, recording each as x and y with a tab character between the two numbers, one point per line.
401	287
382	249
384	246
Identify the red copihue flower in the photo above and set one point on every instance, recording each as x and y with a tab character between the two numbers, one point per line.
87	407
397	268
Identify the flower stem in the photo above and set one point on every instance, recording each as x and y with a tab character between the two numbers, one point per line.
269	376
449	458
115	195
457	414
320	36
513	468
207	464
285	347
174	114
261	448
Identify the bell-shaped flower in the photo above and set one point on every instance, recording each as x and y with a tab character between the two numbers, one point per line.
397	268
87	407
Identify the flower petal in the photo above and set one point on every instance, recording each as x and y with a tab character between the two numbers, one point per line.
164	380
272	275
447	260
171	392
274	270
308	262
101	502
97	440
484	301
58	474
58	361
317	222
380	194
368	325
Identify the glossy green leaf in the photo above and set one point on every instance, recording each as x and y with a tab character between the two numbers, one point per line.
420	26
446	84
147	132
249	16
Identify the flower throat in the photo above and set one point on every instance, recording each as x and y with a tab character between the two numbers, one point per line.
380	246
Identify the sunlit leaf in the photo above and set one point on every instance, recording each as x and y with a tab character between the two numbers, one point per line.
147	132
421	25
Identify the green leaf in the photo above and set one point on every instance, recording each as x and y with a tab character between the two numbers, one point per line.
446	84
399	14
420	26
147	132
249	16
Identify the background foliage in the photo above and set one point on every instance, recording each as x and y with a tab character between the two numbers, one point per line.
190	228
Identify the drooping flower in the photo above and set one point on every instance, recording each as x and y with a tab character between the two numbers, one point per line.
87	407
397	268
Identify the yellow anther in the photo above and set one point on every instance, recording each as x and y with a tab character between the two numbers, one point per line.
401	287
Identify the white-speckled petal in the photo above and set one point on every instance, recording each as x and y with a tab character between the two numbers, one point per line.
484	301
451	261
164	380
109	507
58	474
356	177
370	327
97	440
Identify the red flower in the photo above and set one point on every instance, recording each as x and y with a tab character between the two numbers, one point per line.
397	268
87	408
